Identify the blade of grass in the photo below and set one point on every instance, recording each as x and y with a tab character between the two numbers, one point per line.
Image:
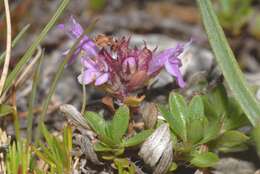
57	77
28	54
227	63
36	79
15	117
8	46
15	41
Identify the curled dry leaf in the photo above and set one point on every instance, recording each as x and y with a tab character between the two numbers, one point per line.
165	161
158	149
74	116
149	113
87	149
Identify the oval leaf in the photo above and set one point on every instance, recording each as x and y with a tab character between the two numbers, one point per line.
179	110
96	122
138	138
119	123
203	160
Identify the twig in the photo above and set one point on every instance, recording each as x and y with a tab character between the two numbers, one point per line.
8	46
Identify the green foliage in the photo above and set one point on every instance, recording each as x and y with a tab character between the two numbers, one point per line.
111	133
227	63
5	110
218	104
206	121
204	159
57	152
234	14
124	166
256	138
230	141
19	158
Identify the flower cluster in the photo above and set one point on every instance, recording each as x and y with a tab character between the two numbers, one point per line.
118	68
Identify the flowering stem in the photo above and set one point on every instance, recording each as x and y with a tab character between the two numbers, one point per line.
57	77
84	98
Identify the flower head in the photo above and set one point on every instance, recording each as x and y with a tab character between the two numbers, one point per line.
119	68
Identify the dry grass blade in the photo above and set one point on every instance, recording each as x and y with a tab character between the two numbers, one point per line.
28	70
8	46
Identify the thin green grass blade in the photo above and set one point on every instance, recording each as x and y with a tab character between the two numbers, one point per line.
15	41
36	79
227	63
28	54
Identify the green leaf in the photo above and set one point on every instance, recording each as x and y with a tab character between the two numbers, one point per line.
216	103
195	129
173	167
238	148
96	122
227	63
196	108
179	111
230	139
36	79
101	147
5	110
119	123
203	160
235	117
211	131
256	138
138	138
197	121
167	115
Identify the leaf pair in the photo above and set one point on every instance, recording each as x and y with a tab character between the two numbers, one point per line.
192	129
111	133
188	122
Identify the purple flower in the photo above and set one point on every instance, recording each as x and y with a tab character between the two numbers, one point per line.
170	60
74	30
96	72
120	68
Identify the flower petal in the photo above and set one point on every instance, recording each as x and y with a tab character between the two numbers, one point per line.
160	59
173	68
73	29
87	77
102	79
88	63
129	64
